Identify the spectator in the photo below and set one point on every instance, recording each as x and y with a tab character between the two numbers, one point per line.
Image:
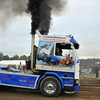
96	70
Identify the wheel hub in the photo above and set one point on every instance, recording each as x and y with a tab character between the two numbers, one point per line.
50	87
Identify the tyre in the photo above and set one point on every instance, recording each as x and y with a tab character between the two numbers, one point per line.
50	86
1	88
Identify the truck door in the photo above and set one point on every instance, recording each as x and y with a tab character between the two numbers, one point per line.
64	57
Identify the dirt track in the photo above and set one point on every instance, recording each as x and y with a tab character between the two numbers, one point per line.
89	90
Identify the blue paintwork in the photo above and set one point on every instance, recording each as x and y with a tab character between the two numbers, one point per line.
59	75
18	80
67	81
76	44
77	88
77	61
39	81
73	41
53	58
63	74
30	81
55	74
44	34
52	74
43	54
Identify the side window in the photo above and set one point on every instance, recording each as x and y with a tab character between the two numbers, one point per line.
58	51
62	49
65	52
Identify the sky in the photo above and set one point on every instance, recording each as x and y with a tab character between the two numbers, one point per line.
81	19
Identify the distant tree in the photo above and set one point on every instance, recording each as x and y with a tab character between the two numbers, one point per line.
23	57
6	57
1	56
15	57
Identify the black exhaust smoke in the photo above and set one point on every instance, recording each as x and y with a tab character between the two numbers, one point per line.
41	16
41	13
9	10
40	9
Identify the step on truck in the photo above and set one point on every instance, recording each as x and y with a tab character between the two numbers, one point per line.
55	67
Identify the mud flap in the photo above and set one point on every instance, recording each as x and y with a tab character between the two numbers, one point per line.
76	88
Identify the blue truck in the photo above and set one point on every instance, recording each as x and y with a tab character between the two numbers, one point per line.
50	79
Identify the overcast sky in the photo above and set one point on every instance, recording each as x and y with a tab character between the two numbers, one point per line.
81	18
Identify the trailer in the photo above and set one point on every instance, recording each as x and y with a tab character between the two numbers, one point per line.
51	73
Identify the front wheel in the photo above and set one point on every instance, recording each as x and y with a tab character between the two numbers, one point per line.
50	86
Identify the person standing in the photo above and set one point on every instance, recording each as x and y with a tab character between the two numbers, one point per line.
96	70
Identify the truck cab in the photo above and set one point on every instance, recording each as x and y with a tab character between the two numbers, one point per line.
47	58
64	66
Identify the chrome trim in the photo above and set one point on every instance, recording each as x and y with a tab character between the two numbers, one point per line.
69	92
66	77
67	85
50	87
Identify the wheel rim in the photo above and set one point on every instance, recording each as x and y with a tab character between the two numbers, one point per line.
50	87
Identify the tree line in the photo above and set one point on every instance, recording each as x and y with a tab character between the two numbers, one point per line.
24	57
15	57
